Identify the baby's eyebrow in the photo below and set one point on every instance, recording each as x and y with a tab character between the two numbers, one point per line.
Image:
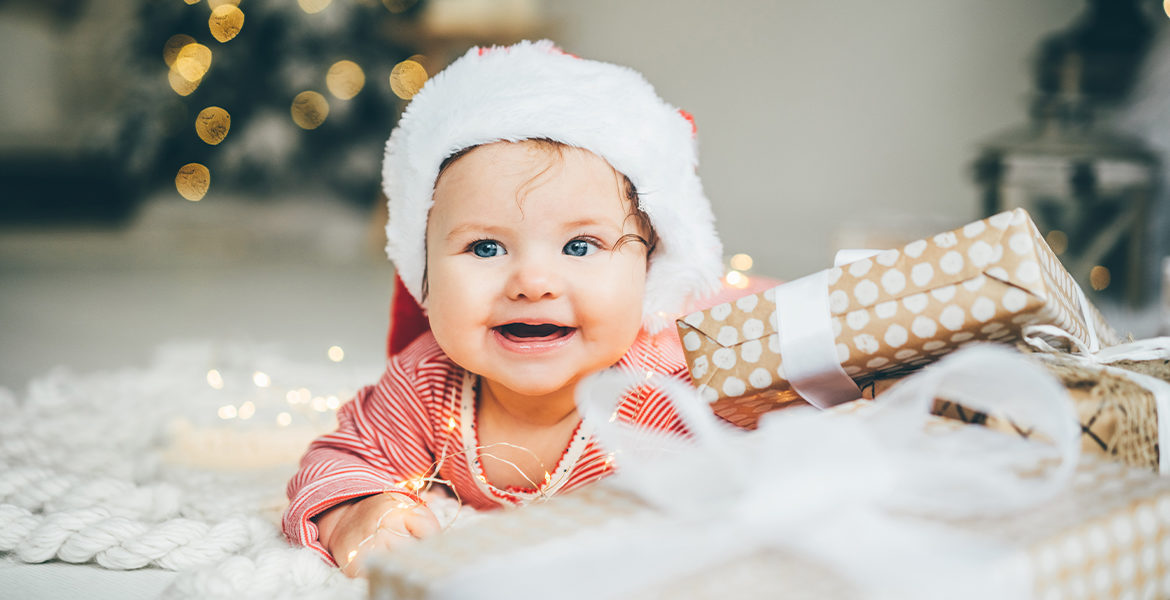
591	222
463	229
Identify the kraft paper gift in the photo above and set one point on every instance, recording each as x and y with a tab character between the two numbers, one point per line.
994	279
946	510
1121	397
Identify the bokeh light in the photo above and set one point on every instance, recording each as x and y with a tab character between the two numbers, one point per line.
741	262
284	419
1099	277
192	181
309	110
173	45
247	410
336	354
314	6
345	79
214	379
212	124
1057	241
193	61
225	22
736	279
261	379
227	412
407	79
180	84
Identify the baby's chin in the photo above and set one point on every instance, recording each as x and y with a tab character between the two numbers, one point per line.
534	386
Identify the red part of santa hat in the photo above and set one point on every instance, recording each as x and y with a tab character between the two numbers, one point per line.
407	320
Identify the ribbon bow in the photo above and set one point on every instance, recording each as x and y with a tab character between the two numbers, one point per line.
862	494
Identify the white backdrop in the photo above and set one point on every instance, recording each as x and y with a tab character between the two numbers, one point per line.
815	116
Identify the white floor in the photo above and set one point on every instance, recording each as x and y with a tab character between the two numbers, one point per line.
302	275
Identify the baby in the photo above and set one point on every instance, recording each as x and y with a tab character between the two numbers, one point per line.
546	213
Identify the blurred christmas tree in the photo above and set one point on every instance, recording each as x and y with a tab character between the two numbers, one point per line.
304	88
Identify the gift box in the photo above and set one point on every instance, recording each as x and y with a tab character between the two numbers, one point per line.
1106	538
994	279
1119	397
937	509
870	499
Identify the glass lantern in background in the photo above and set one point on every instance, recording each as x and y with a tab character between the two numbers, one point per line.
1091	189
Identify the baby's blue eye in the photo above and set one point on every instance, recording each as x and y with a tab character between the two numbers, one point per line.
579	248
487	249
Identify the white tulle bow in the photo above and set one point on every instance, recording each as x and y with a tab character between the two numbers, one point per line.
868	495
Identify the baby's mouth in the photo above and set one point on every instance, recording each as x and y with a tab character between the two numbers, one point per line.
527	332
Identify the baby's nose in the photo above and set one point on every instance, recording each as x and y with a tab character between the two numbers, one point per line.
535	279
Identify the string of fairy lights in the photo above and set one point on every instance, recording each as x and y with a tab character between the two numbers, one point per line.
189	62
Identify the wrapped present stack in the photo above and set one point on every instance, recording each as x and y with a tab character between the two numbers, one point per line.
889	314
1092	528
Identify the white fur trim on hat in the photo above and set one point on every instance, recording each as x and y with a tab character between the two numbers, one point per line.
533	90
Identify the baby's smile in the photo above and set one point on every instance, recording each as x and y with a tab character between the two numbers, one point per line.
533	337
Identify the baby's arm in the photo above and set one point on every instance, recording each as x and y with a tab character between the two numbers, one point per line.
386	521
382	440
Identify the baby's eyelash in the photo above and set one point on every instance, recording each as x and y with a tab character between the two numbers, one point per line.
598	242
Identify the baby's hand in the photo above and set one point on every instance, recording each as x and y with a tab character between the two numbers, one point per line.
387	521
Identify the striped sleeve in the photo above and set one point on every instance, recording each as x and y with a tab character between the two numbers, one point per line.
384	437
649	406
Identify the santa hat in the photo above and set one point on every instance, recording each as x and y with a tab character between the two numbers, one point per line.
534	90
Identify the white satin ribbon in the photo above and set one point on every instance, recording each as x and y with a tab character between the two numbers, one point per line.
848	491
807	346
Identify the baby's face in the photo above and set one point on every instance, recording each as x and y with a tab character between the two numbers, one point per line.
527	283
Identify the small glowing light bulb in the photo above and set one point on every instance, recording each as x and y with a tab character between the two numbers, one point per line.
451	423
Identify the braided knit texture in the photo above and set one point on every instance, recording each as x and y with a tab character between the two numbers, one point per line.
93	472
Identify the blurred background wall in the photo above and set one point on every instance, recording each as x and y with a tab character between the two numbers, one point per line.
821	125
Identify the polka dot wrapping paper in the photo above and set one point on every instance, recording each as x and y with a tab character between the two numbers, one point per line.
893	313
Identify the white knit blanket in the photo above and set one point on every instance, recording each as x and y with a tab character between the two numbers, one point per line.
178	466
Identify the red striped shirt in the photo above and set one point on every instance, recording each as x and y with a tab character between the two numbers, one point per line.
419	421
